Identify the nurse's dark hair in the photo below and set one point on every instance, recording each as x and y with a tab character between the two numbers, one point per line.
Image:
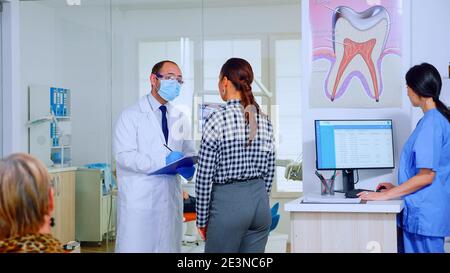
425	81
157	67
240	73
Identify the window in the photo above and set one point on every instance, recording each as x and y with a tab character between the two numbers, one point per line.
181	52
217	52
287	88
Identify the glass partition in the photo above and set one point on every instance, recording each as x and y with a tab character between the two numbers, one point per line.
66	56
103	52
267	35
146	32
85	61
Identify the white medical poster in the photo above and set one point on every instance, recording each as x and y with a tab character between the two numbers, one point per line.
356	54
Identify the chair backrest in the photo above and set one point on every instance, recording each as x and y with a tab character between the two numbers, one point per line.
274	210
275	216
275	220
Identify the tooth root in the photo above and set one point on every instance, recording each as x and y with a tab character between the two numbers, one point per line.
359	40
366	54
351	50
349	54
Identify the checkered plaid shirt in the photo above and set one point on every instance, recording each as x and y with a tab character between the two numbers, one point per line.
224	156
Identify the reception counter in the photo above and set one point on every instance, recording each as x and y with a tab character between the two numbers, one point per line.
355	228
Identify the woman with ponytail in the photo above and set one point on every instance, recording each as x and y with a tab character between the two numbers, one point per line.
235	168
424	171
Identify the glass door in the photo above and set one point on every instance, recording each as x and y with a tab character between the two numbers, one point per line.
66	56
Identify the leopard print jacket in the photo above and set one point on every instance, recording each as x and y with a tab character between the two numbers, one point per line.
31	243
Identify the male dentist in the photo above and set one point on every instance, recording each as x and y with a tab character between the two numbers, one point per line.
150	207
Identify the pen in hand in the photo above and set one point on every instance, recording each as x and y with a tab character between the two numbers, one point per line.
168	147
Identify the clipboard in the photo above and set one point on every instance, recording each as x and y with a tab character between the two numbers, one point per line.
171	169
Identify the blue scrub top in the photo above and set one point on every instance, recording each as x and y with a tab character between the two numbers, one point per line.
427	211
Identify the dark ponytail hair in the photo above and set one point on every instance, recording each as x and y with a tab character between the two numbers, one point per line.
240	73
426	82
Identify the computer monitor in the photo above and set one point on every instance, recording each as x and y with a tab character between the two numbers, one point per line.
204	111
349	145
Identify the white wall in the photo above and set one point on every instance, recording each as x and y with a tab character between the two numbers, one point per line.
84	42
70	47
431	41
37	52
401	118
11	78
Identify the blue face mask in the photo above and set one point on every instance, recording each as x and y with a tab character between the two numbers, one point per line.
169	89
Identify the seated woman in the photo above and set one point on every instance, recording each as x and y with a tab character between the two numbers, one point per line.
26	206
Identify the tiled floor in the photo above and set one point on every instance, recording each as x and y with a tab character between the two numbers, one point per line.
97	248
104	248
191	243
193	248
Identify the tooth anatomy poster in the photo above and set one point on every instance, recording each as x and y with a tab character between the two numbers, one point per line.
356	53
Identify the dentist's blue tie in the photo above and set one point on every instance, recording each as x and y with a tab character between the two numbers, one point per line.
165	128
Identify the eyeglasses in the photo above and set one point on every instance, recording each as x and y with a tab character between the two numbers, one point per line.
170	76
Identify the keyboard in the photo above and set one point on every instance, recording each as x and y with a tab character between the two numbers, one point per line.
354	193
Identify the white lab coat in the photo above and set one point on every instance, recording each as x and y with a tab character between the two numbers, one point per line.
150	208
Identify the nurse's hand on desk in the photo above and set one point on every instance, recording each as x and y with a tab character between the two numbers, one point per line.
202	231
373	196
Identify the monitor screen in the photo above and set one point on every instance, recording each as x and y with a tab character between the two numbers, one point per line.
354	144
204	111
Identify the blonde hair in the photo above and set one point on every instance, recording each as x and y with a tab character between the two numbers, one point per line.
24	195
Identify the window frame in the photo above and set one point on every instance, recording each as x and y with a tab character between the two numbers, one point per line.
196	41
201	92
279	162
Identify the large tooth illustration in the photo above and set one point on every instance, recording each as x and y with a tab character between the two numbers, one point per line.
359	39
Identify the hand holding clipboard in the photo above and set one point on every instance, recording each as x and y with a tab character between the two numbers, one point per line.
177	163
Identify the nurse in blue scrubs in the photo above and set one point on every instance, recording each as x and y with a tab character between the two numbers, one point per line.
424	171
